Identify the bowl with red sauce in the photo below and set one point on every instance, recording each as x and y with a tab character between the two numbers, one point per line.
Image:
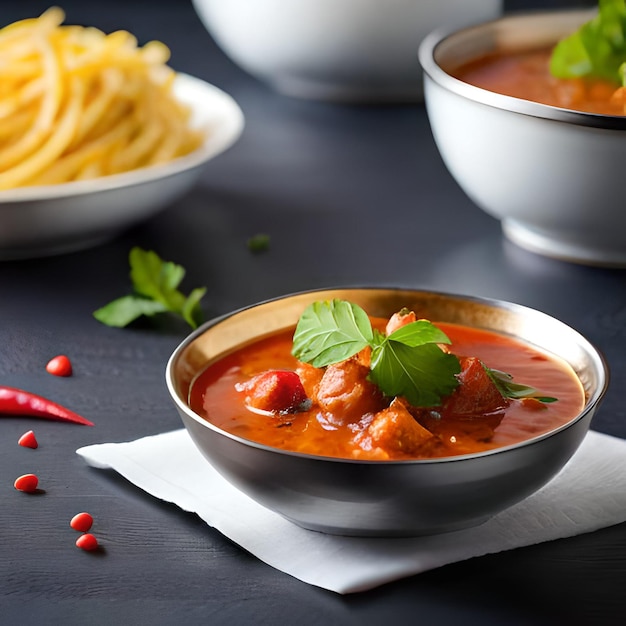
386	411
335	50
531	144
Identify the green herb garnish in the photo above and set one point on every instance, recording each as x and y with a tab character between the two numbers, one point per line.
259	243
509	389
597	49
155	284
407	363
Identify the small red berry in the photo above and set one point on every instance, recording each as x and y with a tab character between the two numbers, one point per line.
27	483
59	366
81	522
87	542
28	440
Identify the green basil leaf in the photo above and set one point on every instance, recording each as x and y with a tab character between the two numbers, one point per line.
509	389
597	49
331	331
155	285
124	310
418	333
422	374
259	243
191	308
155	278
569	59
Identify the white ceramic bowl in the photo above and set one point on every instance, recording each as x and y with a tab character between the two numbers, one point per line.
387	498
554	177
46	220
335	49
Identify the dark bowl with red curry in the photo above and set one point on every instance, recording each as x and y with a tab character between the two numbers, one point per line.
386	411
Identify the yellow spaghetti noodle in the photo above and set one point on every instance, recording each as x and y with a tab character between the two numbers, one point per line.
76	103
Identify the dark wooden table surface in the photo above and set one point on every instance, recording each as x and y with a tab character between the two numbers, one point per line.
349	195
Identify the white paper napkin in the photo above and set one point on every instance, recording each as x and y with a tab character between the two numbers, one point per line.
589	493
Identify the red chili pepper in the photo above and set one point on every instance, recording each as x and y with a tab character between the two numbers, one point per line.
19	402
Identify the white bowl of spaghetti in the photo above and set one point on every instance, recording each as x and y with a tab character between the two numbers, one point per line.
97	153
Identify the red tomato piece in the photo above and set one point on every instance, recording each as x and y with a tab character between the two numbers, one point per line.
275	391
28	440
476	395
81	522
87	542
27	483
59	366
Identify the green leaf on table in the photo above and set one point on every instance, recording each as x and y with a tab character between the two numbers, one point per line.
597	49
259	243
127	309
154	278
191	310
155	290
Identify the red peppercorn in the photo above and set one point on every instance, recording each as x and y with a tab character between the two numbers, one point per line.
59	366
28	440
27	483
81	522
87	542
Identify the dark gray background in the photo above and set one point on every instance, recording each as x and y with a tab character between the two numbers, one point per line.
349	195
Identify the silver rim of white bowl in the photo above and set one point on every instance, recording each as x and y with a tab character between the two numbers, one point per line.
433	71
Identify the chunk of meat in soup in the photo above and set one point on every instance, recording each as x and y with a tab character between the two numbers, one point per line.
392	432
344	394
476	395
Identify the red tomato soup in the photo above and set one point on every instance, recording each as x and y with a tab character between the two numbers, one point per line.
374	427
526	75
